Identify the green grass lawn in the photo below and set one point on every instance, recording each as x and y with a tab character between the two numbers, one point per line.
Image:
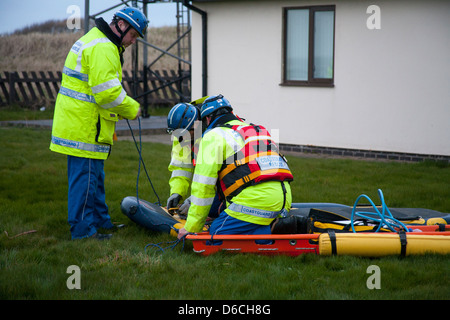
33	198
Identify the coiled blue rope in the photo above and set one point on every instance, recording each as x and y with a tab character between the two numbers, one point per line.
383	218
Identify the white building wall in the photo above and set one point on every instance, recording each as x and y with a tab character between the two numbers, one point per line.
392	86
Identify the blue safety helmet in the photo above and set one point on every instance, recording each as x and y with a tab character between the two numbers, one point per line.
182	116
135	18
214	103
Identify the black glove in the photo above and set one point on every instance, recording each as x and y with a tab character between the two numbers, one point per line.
173	201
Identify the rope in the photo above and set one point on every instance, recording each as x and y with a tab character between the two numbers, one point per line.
383	218
141	160
171	244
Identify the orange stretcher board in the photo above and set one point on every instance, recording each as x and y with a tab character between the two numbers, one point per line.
431	228
289	244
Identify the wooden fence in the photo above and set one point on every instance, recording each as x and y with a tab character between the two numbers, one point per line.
33	89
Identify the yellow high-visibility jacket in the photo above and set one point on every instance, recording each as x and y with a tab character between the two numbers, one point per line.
90	99
182	161
217	145
182	167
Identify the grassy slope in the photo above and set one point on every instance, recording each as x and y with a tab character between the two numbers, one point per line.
39	51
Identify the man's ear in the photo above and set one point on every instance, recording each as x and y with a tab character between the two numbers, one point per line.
120	24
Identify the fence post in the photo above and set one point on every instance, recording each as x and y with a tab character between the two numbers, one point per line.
12	91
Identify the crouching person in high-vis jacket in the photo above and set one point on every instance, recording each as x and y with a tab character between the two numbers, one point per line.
182	120
89	103
183	123
243	164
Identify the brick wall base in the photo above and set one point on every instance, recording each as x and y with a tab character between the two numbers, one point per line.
364	154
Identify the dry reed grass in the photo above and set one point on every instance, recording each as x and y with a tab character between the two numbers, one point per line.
47	52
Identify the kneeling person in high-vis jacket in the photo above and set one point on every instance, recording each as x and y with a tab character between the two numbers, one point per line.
89	103
243	164
184	126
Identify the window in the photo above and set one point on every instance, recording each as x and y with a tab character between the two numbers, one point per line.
308	46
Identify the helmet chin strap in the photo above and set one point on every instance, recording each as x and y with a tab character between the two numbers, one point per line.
122	33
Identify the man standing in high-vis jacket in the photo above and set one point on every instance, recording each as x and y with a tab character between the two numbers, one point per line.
90	102
242	163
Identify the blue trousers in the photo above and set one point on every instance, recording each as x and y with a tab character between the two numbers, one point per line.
215	209
87	209
226	224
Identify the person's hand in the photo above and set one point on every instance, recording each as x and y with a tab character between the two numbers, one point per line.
182	233
173	201
185	206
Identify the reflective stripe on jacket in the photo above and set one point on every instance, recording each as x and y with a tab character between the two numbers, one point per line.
90	99
217	145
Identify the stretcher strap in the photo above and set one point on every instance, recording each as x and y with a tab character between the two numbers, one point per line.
403	243
332	236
